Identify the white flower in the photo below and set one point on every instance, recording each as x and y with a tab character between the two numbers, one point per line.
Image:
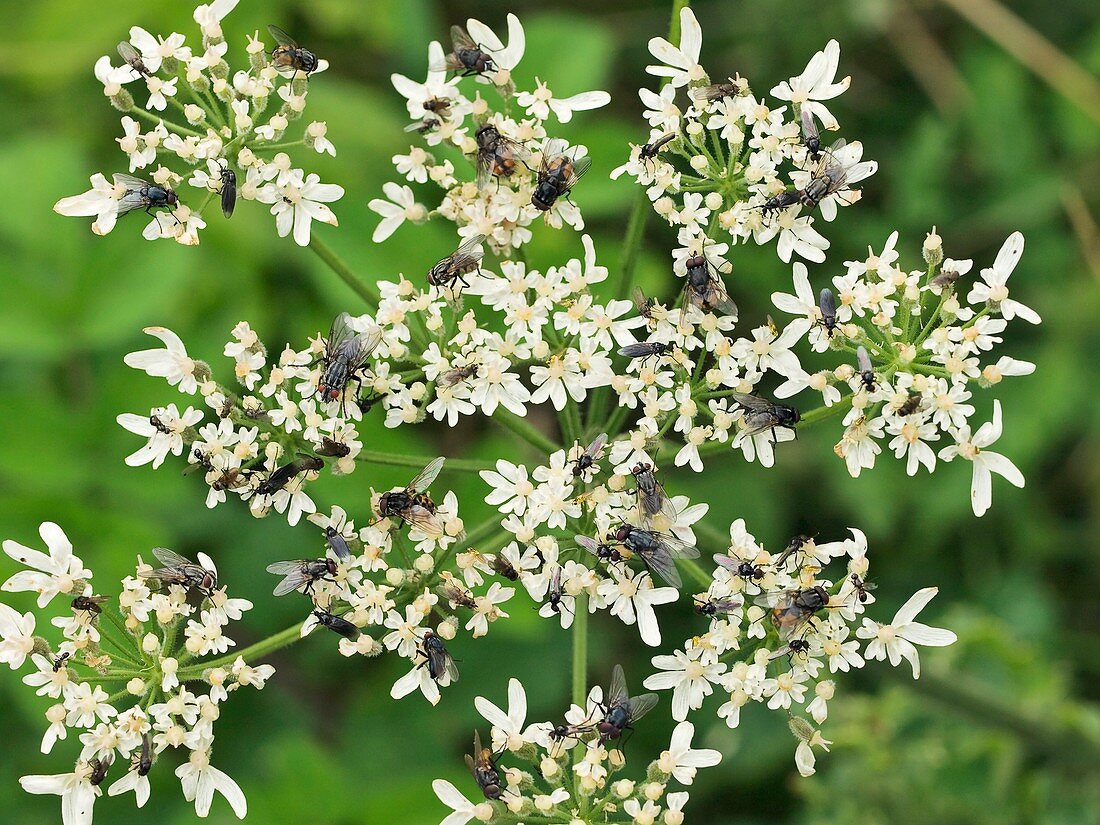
170	363
77	793
16	636
689	676
541	102
504	57
897	639
985	463
994	286
816	83
681	760
682	63
298	202
804	758
632	598
464	809
511	487
400	207
508	730
132	781
435	87
101	200
57	573
200	779
160	443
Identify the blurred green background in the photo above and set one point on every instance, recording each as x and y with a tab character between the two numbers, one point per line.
1002	728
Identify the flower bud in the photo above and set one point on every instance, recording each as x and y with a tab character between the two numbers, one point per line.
933	248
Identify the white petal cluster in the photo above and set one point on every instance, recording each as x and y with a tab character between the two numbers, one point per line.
224	128
154	645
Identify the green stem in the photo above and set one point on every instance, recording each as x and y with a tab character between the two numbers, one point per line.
623	278
157	119
395	460
367	291
269	645
821	413
580	650
527	432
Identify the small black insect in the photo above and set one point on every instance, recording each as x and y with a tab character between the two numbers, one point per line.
658	551
649	151
337	543
289	55
133	59
945	278
99	770
704	289
793	546
555	592
503	567
911	405
587	459
182	571
467	56
647	349
862	586
229	191
716	607
643	304
59	662
145	758
791	609
141	194
865	370
651	496
337	624
346	351
301	573
332	448
413	505
557	175
453	591
744	569
826	302
461	262
621	711
484	768
458	375
780	202
607	553
159	425
437	659
761	415
282	476
811	137
719	91
89	604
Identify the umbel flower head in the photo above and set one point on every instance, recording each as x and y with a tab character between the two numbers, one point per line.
218	144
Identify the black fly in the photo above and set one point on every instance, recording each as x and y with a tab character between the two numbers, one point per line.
461	262
557	175
587	459
346	351
289	55
437	659
760	415
413	505
229	190
621	711
658	551
301	573
282	476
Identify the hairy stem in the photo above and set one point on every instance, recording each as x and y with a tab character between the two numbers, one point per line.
533	436
269	645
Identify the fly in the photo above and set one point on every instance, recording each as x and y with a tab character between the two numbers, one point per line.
458	375
587	459
464	260
621	711
865	370
649	151
413	505
712	607
337	624
346	351
760	415
658	551
89	604
826	302
282	476
184	572
289	55
484	768
740	567
497	155
133	59
811	137
558	174
467	56
704	289
437	659
337	543
301	573
455	592
60	661
229	191
719	91
651	496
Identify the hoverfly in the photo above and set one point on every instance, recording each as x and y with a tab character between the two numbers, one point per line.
182	571
704	289
466	56
712	607
652	499
413	505
99	770
557	174
826	302
437	659
649	151
484	769
454	592
337	543
141	194
282	476
458	374
332	448
59	661
497	155
647	349
793	546
229	191
464	260
719	91
741	568
621	710
336	624
289	55
761	415
346	351
811	137
587	459
89	604
607	553
301	573
865	370
861	587
791	609
658	551
132	58
911	405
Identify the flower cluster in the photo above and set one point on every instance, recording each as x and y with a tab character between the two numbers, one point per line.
916	352
717	166
573	769
510	149
157	643
230	146
780	626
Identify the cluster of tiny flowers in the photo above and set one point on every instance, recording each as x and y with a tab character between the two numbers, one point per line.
570	772
781	626
154	644
508	148
916	351
236	123
717	166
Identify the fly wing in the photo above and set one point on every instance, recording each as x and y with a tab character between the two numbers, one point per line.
469	253
596	446
641	303
715	91
170	558
580	166
591	545
486	160
617	693
338	544
292	581
426	476
753	403
128	53
424	520
462	40
726	605
281	568
809	126
229	196
727	562
659	560
640	350
363	344
442	662
282	38
339	333
641	705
